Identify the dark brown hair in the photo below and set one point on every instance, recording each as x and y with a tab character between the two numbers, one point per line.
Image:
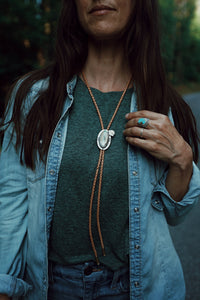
143	52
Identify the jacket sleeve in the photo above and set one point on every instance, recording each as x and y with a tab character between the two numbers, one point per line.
13	220
176	211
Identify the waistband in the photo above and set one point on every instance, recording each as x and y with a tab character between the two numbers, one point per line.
86	269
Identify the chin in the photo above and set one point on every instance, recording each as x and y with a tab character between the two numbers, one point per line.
105	35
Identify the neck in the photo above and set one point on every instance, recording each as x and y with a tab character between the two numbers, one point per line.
106	66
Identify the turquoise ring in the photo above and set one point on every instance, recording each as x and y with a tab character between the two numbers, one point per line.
143	122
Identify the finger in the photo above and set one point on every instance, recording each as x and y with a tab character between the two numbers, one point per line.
153	148
134	122
158	139
135	132
144	114
148	145
163	124
143	133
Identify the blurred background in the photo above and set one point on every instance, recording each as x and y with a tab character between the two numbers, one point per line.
27	31
27	35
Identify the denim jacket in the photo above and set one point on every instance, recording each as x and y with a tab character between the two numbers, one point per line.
27	203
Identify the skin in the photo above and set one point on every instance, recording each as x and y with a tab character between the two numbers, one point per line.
104	23
162	140
107	69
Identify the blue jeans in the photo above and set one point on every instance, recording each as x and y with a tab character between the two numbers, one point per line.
87	281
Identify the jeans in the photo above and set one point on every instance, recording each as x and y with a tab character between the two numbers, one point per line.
87	281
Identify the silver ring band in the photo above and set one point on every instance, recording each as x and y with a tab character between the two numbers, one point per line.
141	132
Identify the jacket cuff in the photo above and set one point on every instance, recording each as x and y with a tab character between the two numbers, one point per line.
162	200
12	286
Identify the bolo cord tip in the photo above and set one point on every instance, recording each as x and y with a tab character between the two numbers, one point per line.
97	261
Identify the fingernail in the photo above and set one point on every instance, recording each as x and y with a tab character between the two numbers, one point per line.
126	116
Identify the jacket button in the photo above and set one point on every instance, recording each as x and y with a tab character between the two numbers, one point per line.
59	135
137	284
135	173
49	208
137	247
136	209
51	172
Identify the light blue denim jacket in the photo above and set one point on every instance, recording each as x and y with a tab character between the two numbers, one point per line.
26	208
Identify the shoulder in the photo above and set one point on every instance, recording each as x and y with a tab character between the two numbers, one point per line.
33	92
39	86
24	94
24	87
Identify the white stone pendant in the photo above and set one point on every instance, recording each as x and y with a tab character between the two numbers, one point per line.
104	138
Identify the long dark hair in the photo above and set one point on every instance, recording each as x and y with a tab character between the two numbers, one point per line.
142	48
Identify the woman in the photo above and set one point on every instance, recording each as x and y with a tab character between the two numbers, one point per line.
81	220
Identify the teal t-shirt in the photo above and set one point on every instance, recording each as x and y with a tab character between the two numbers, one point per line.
69	239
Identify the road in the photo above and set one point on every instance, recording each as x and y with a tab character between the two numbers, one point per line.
186	236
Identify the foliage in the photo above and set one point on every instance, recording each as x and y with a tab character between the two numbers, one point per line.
180	41
168	31
27	34
27	31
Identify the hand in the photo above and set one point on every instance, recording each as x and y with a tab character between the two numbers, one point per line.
161	139
4	297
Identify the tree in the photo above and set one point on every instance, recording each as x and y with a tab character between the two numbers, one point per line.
26	29
180	46
168	31
184	12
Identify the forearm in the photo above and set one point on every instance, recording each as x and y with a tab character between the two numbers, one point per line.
179	175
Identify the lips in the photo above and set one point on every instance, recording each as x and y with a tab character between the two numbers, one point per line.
100	8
